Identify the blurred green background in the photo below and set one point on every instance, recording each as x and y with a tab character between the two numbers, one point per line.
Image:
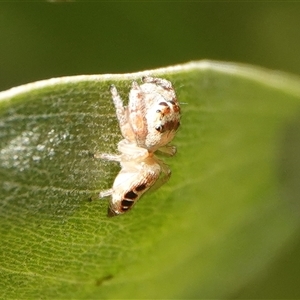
44	40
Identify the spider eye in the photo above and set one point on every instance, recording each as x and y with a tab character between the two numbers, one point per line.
164	103
160	128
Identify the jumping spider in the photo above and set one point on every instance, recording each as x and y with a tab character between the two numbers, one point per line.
148	124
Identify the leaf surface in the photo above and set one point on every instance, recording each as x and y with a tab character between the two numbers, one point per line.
230	206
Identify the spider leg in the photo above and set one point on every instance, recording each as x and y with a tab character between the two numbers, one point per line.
121	111
122	114
137	113
131	152
107	156
105	193
168	150
164	176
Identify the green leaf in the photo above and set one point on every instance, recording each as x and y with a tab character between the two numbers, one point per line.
230	207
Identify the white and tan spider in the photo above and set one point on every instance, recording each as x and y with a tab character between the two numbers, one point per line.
148	124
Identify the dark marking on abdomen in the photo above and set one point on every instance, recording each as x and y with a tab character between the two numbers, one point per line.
130	195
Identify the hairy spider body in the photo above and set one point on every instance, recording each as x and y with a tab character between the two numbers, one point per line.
148	124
